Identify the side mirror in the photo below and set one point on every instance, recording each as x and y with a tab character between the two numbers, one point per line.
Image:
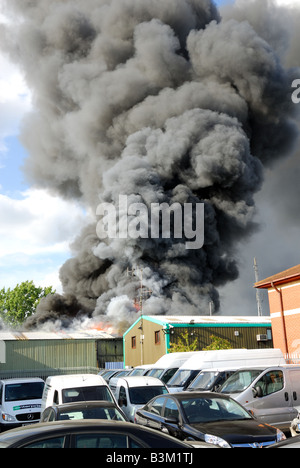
171	420
257	392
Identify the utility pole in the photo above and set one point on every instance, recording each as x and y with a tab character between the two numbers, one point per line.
258	301
137	271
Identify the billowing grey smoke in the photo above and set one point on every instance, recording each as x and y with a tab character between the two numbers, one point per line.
161	101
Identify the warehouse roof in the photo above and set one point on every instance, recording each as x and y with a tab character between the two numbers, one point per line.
286	276
7	335
205	320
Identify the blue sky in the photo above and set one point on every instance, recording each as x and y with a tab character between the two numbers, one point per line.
12	180
34	241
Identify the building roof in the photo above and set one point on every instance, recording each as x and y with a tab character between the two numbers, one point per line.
286	276
205	320
8	335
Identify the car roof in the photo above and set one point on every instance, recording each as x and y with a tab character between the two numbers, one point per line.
21	380
85	404
141	380
193	395
41	430
221	369
62	381
53	426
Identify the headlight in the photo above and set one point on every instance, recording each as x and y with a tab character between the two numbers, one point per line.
8	417
211	439
280	436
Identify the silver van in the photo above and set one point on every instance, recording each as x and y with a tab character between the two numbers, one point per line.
272	393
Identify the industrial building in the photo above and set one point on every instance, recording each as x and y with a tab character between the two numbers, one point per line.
150	337
40	354
284	302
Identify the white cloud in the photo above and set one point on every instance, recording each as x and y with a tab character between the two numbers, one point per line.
288	3
15	100
35	236
43	270
15	97
38	223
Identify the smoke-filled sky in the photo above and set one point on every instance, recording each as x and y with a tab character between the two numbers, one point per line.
172	101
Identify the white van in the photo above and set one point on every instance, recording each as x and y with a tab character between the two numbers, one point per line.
222	358
272	393
61	389
210	380
133	392
143	369
167	365
20	402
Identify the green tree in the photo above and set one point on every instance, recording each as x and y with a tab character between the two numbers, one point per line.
17	304
217	343
184	344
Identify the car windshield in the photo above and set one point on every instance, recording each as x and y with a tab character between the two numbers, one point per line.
92	413
97	392
202	410
239	381
138	372
181	377
141	395
168	375
155	373
205	380
24	391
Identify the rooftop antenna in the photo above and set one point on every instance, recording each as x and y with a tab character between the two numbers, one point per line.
144	293
258	301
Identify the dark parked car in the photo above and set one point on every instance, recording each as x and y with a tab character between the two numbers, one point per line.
83	410
291	442
88	434
214	418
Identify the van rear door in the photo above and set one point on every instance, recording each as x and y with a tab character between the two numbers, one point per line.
294	378
272	400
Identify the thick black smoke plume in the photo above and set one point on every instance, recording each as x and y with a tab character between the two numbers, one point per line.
161	101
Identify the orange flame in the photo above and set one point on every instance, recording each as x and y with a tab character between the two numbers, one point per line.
105	327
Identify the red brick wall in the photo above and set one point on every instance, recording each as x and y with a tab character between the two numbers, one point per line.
291	305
